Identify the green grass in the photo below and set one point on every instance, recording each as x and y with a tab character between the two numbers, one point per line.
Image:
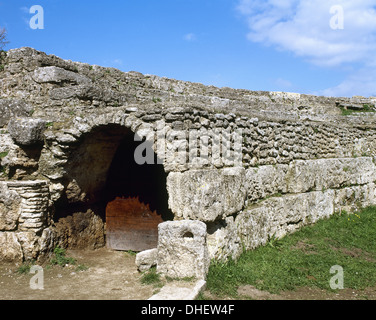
151	277
131	253
60	258
304	259
24	268
348	112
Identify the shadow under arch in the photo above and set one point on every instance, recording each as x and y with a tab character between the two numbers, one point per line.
127	178
101	167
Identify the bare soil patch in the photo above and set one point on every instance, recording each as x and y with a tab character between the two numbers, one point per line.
111	275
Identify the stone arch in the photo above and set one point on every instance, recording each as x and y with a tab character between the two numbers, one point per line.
101	169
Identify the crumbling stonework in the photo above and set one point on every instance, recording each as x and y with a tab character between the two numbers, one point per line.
24	220
61	123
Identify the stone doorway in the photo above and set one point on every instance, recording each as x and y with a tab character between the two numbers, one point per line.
102	174
137	200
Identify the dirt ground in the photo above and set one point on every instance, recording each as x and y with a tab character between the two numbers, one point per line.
112	275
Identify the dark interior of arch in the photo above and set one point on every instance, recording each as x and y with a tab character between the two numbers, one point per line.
103	168
126	179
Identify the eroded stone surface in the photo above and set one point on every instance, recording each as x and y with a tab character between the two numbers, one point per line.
10	248
207	195
182	249
146	259
10	210
26	131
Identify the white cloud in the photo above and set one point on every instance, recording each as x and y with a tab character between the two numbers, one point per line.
304	28
190	37
361	83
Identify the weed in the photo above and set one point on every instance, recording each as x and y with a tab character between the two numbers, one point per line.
24	268
151	277
60	258
3	154
131	253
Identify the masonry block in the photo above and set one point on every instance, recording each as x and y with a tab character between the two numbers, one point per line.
182	249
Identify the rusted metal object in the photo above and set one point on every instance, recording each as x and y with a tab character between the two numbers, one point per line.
131	225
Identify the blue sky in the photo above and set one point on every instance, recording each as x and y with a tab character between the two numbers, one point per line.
284	45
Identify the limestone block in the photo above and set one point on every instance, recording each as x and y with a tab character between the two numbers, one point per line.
355	197
29	244
207	195
180	292
51	166
182	249
26	131
46	242
223	240
10	108
278	216
307	175
329	173
146	259
266	181
10	248
10	208
57	75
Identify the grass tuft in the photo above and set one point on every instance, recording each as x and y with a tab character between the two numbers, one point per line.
60	258
151	277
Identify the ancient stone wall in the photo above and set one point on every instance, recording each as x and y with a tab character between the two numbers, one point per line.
251	165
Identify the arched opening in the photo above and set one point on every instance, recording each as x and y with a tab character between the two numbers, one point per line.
103	183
